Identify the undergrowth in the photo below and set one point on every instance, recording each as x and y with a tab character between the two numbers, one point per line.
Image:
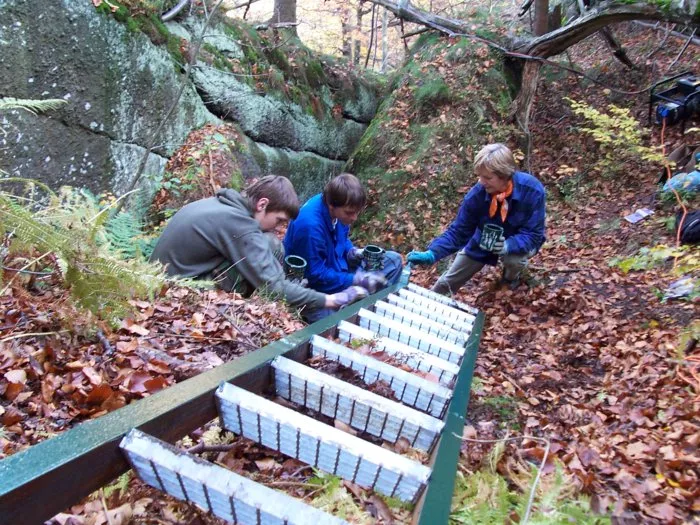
71	235
490	498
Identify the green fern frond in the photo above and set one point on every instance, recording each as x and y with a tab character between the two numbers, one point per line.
32	106
98	280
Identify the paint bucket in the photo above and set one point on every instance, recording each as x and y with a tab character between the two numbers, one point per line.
374	258
294	267
489	236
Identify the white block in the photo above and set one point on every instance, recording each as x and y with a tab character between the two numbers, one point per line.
411	336
409	388
432	311
358	408
409	355
214	488
444	310
320	445
441	299
422	323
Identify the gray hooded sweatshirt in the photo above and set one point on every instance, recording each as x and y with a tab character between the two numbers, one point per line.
208	232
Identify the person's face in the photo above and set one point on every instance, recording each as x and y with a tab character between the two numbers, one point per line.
269	220
345	214
492	183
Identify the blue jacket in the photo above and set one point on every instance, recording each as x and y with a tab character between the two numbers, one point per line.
312	236
523	229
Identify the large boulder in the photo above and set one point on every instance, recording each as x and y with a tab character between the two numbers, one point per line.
120	72
117	85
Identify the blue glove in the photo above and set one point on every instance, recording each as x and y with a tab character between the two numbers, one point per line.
370	281
355	256
501	246
426	258
348	296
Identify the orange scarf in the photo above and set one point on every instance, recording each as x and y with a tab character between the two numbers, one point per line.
501	197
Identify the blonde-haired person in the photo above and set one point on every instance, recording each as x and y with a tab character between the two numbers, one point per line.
504	197
229	238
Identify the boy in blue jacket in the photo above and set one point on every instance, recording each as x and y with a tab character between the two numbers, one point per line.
320	235
511	199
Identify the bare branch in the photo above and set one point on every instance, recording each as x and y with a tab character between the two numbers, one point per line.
555	42
608	12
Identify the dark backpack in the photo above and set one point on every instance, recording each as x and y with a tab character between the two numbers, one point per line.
690	232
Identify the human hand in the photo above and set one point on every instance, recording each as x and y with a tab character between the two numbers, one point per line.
500	247
427	257
370	281
347	296
355	256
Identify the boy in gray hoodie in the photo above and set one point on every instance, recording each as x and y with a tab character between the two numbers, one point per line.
229	232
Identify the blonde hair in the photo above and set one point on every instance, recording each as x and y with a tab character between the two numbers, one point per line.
496	158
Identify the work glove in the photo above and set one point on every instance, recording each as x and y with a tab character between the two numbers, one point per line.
427	257
355	256
500	247
348	296
370	281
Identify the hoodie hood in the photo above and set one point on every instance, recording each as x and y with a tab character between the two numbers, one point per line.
233	198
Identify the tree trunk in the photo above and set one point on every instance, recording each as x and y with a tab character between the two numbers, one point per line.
541	17
357	33
285	12
523	102
385	39
346	31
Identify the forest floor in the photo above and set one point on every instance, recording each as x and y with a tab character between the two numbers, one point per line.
584	355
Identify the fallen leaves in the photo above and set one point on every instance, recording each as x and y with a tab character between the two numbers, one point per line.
49	383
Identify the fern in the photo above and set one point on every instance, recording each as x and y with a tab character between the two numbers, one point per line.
121	485
71	228
33	106
126	238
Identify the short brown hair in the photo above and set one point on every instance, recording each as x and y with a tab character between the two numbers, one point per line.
496	158
345	190
280	192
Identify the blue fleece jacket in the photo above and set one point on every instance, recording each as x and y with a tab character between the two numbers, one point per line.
523	228
313	236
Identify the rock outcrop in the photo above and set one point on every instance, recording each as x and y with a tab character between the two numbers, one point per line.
120	77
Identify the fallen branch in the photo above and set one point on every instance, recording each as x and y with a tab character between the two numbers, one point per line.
662	43
695	40
202	447
680	53
106	345
278	25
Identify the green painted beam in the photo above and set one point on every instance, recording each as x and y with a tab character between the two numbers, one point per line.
434	508
60	471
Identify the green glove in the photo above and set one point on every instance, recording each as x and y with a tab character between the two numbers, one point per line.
427	257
